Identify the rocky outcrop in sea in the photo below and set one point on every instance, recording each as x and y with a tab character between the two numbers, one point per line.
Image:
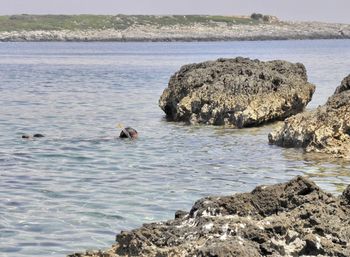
240	92
295	218
324	130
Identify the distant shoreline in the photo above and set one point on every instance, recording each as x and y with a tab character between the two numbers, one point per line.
141	28
172	40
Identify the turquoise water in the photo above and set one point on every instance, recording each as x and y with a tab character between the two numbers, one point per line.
80	185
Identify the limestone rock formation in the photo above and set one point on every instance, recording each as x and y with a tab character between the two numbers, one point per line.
325	130
239	92
291	219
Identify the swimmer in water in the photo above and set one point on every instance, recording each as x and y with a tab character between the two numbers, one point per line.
128	132
26	136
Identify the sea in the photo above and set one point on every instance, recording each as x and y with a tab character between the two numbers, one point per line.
80	185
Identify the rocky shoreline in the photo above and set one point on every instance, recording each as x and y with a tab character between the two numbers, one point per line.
295	218
217	31
242	93
324	130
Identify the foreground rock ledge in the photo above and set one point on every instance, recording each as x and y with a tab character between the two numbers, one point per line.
289	219
239	92
324	130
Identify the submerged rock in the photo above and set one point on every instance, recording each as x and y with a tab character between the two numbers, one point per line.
289	219
239	92
324	130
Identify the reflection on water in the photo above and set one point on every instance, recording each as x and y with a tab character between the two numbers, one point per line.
327	170
80	185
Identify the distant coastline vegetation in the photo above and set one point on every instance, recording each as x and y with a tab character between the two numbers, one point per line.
136	28
25	22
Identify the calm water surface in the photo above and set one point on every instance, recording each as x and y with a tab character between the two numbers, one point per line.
80	185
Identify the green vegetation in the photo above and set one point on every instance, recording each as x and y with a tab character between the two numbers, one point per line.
84	22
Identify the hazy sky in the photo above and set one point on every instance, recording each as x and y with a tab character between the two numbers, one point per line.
320	10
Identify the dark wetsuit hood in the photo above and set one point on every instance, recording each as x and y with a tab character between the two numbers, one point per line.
128	132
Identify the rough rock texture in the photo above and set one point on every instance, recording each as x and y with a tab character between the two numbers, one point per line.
239	92
289	219
325	129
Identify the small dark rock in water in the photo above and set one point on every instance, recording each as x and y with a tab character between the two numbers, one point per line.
38	135
289	219
324	130
240	92
128	132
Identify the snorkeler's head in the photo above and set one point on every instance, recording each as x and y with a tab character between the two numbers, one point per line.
128	132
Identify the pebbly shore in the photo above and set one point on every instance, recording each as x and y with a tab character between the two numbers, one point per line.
217	31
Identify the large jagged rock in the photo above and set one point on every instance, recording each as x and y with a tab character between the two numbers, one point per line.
290	219
324	130
239	92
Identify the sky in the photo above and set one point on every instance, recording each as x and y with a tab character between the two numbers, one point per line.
297	10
